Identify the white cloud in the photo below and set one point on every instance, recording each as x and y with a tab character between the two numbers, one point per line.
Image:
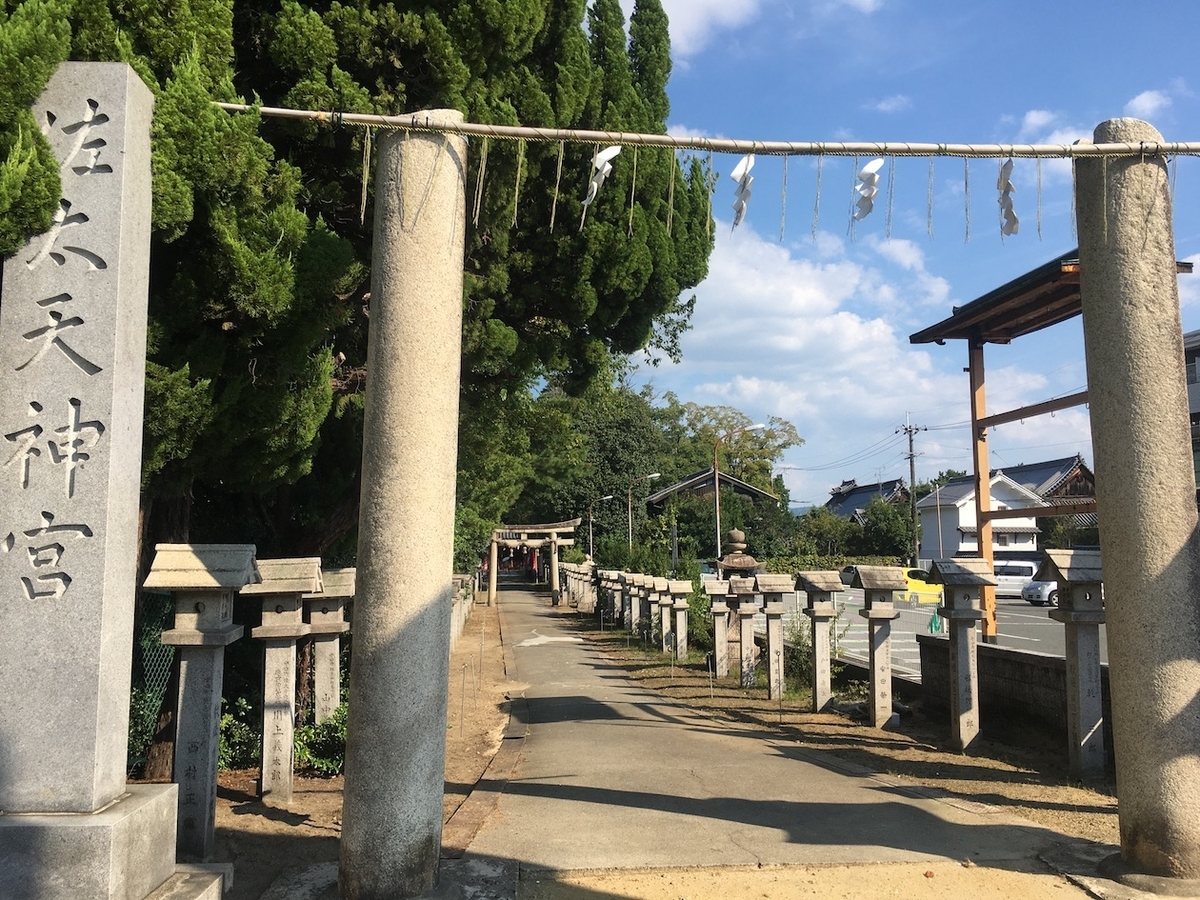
863	6
696	23
1147	104
817	333
894	104
1035	122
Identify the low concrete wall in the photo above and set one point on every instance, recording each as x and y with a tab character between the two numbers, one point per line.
1022	695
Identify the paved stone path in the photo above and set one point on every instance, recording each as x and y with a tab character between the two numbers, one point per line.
611	776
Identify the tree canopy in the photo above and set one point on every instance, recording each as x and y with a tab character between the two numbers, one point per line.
260	257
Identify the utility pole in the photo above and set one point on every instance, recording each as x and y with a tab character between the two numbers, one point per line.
910	430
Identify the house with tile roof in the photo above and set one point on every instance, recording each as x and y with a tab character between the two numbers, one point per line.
949	527
849	500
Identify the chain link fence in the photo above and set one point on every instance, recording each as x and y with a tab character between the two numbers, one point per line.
152	662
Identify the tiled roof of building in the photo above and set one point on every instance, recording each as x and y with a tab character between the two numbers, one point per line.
850	498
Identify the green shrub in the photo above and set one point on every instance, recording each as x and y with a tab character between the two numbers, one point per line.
240	746
321	748
143	716
798	657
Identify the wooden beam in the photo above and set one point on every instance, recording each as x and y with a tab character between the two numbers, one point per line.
1035	512
1037	409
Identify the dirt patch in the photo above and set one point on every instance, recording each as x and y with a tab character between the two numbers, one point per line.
264	843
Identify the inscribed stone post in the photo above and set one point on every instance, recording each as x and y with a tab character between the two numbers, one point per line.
819	587
747	610
963	582
325	612
1145	497
717	592
659	587
395	751
1081	610
679	591
72	337
202	579
284	584
773	588
666	617
878	584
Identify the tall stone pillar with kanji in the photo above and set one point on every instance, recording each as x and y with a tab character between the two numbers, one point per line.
73	346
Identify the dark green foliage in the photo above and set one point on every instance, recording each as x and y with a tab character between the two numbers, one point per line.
260	260
35	36
240	744
887	529
321	748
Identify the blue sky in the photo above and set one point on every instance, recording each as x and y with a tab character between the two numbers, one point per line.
815	330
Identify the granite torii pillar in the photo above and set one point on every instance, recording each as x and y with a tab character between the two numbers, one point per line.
202	579
1145	496
552	546
493	565
963	581
878	583
325	612
819	587
281	592
1081	610
395	753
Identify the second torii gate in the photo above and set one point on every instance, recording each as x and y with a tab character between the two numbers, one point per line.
529	537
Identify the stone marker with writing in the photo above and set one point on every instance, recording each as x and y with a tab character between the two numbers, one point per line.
325	611
72	338
202	579
284	583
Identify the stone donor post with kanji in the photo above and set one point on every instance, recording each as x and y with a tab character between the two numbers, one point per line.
72	341
1145	496
202	579
399	670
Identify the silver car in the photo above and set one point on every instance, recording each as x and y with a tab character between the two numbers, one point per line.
1040	593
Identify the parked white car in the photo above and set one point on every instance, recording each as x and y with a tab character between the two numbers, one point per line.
1041	593
1012	575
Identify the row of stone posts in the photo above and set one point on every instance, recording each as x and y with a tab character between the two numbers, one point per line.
1081	610
298	601
647	605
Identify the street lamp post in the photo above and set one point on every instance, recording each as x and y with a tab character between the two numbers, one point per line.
717	473
629	501
590	505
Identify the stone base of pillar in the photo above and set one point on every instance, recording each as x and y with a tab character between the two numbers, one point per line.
192	883
1118	870
126	850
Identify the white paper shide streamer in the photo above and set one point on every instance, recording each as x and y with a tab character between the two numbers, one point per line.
741	196
603	168
866	188
1009	223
